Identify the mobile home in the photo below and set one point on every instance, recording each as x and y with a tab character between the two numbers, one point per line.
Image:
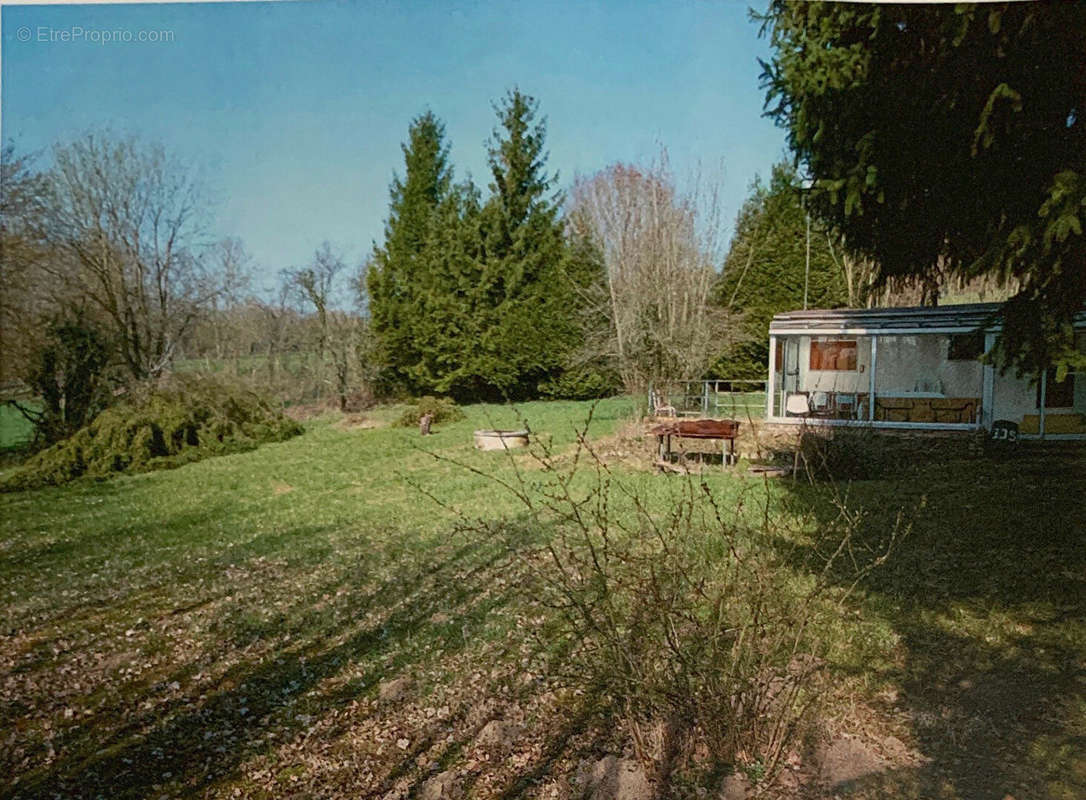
913	368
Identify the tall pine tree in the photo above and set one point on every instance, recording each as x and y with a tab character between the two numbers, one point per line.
481	300
449	322
531	277
947	140
397	271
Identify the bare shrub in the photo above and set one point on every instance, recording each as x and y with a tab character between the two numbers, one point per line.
697	619
850	454
847	454
440	409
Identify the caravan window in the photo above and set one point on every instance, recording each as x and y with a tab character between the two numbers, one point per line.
833	354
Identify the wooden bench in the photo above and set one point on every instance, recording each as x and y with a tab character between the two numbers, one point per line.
723	429
927	409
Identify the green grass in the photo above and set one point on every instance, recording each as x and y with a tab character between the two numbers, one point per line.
225	627
243	365
740	405
15	429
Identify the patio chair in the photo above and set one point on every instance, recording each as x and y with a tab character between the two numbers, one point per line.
661	407
797	404
846	404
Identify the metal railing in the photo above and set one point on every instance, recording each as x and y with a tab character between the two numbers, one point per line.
721	399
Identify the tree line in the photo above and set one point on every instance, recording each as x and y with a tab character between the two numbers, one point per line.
621	282
111	280
527	292
927	178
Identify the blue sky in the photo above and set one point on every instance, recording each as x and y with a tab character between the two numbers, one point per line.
296	110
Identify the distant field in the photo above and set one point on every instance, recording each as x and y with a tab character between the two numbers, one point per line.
15	429
244	365
303	620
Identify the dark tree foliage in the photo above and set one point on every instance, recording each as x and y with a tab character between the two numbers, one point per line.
531	276
68	375
764	270
480	300
448	317
397	269
947	139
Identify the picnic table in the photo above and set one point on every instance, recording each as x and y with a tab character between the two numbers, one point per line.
723	429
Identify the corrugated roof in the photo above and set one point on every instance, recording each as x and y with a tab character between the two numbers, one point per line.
940	319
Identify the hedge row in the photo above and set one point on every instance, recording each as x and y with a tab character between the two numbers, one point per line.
157	428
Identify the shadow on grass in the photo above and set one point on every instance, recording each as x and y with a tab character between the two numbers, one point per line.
988	597
193	742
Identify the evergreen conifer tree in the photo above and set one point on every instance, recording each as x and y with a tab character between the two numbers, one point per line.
481	300
764	271
448	323
530	277
947	141
397	272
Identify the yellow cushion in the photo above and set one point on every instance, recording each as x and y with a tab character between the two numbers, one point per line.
1065	423
1054	423
922	412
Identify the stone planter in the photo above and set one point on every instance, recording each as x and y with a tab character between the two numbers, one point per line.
500	440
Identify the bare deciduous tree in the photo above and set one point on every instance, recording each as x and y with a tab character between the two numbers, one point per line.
660	245
224	321
338	332
125	221
23	300
275	323
313	285
859	272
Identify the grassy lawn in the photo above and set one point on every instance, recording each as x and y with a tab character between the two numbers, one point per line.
241	364
15	429
739	405
303	620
